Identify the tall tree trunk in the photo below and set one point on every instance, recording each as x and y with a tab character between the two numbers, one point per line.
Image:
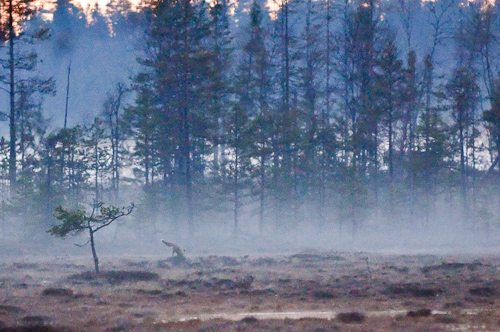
413	117
325	117
12	124
262	194
96	178
189	185
236	193
67	97
463	174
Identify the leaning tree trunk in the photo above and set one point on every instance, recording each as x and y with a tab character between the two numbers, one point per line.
94	252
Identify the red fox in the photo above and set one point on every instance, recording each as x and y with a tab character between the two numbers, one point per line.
176	250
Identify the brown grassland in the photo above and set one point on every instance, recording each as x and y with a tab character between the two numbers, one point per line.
306	291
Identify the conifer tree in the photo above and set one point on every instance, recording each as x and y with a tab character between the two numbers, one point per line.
113	119
254	90
310	53
14	14
179	67
389	90
220	40
463	93
492	122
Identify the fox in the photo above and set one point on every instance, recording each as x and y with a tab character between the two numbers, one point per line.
176	250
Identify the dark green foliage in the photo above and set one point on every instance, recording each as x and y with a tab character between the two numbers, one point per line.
76	221
176	87
492	120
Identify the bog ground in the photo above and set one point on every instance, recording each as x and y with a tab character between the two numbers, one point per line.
306	291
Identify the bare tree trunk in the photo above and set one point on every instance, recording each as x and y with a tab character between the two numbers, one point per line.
67	97
189	185
325	117
236	193
96	179
262	194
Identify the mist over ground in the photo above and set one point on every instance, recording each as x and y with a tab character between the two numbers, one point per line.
123	240
332	174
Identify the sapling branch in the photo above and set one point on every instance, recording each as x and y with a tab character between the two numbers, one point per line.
82	245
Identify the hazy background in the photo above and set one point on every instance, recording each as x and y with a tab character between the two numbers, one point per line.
102	43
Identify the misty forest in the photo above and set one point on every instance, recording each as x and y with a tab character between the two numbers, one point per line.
331	118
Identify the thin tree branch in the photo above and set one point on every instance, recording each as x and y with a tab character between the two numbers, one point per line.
82	245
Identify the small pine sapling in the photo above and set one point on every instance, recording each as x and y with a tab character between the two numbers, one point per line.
75	222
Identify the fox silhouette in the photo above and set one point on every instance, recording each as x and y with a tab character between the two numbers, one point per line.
176	250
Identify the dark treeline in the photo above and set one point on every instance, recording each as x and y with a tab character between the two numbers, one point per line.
337	116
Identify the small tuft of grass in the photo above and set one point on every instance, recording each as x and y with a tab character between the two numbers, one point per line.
414	289
351	317
35	320
58	292
119	276
424	312
321	294
482	291
115	276
23	266
10	309
311	257
445	319
150	291
142	264
34	328
163	264
249	320
451	267
258	292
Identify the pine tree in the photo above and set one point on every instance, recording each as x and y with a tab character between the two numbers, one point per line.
16	13
180	68
310	53
220	40
492	123
432	158
96	158
254	90
358	120
238	141
286	134
326	135
389	85
113	119
463	93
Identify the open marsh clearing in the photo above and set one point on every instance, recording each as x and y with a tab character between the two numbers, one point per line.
306	291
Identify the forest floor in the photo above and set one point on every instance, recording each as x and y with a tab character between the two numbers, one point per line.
306	291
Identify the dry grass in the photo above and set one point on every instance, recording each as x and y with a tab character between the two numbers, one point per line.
396	293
